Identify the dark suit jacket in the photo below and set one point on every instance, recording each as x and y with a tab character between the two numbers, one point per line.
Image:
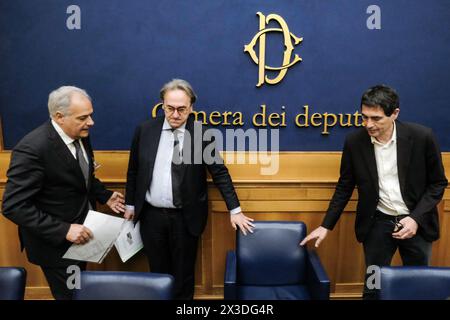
194	187
420	171
46	192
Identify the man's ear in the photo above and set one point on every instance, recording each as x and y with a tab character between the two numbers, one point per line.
395	113
58	117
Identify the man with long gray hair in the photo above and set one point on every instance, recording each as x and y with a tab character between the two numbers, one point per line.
51	186
167	187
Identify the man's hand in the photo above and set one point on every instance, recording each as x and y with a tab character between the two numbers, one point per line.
320	233
241	221
116	202
79	234
409	229
129	214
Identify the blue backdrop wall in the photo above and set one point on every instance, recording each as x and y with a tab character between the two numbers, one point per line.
126	50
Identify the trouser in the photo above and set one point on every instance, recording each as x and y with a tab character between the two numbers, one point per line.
169	247
57	280
380	246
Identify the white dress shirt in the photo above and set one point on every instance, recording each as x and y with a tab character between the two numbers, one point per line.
391	200
160	192
69	141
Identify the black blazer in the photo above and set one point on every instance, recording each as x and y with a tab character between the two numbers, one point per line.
194	187
420	171
46	192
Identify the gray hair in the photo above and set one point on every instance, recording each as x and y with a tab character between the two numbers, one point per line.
59	99
179	84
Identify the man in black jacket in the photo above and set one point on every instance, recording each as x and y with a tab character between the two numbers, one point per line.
167	190
51	186
398	170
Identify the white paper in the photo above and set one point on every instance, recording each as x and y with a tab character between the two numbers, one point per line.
129	241
105	229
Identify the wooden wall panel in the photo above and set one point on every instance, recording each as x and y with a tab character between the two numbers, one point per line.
300	191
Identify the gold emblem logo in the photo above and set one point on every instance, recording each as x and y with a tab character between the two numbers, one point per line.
290	40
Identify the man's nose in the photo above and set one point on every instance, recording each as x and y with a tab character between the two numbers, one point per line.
90	121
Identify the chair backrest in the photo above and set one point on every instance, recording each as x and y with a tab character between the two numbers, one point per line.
12	283
271	254
108	285
414	283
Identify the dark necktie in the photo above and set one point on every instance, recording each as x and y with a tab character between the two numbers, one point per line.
82	161
176	170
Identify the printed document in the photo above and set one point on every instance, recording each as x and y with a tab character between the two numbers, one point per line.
129	241
106	229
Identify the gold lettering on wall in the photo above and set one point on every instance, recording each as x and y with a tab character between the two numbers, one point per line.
327	120
290	40
264	118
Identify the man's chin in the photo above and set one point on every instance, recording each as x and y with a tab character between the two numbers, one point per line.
175	124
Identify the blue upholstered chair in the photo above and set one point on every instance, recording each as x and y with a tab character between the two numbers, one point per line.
12	283
111	285
270	265
414	283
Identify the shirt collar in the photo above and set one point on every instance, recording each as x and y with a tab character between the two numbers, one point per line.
392	140
166	126
67	140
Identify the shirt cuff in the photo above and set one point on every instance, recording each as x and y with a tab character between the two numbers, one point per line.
128	207
236	210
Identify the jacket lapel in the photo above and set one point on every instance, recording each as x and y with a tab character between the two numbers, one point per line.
64	153
369	157
404	147
151	140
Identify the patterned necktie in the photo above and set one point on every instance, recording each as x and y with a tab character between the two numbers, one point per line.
176	169
82	161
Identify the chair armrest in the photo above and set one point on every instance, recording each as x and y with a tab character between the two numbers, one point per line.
317	278
229	288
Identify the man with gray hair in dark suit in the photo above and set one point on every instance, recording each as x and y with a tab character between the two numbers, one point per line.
51	186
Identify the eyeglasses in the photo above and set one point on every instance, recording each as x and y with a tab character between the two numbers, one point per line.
180	110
